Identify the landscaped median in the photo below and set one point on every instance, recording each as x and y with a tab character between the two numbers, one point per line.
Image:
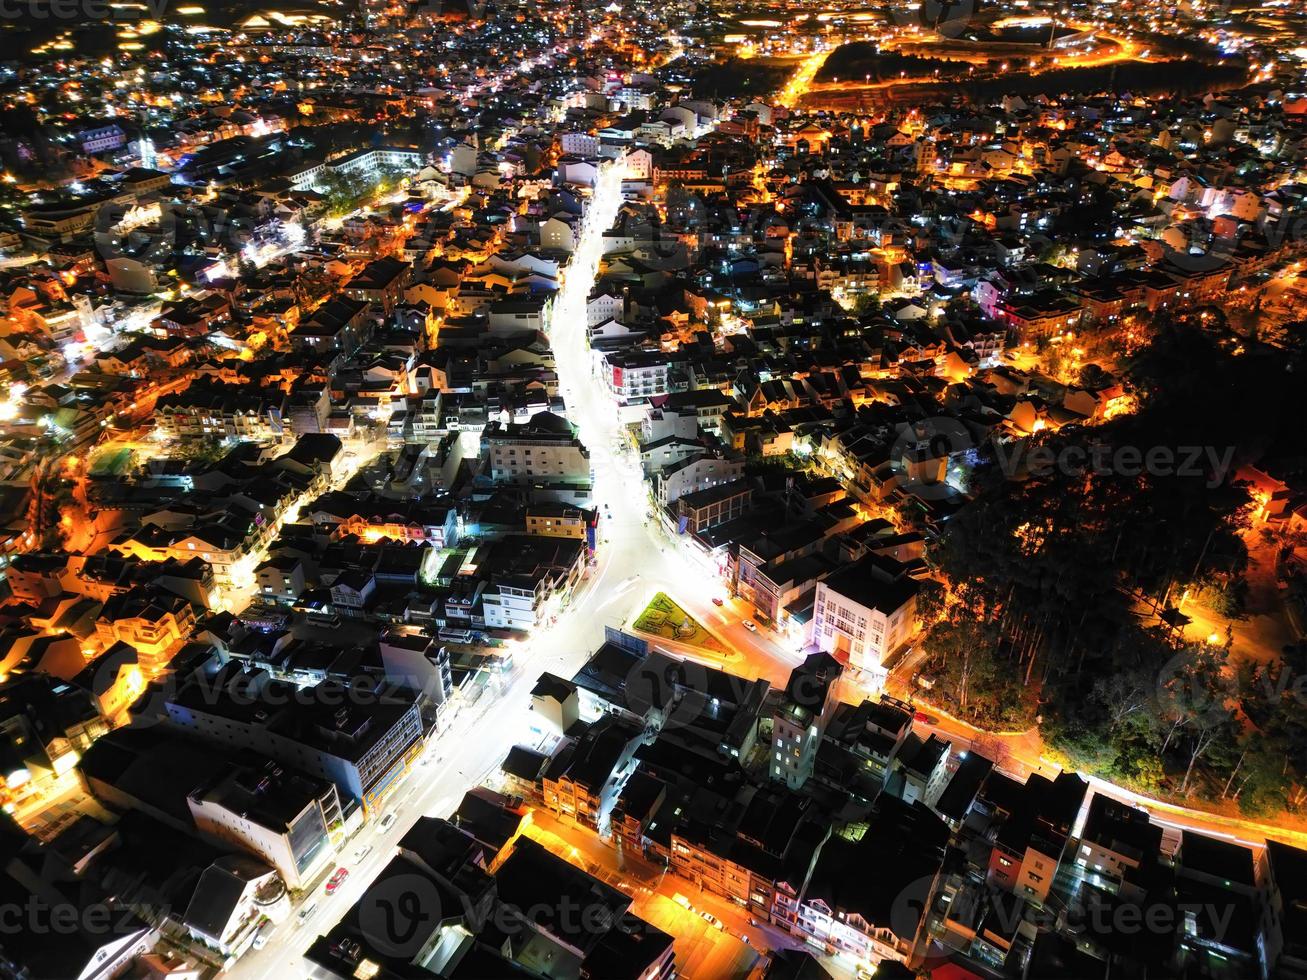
663	619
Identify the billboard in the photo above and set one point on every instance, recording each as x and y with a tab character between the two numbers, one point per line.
626	641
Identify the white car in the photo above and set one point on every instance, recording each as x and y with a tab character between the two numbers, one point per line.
751	626
261	936
307	911
362	852
387	820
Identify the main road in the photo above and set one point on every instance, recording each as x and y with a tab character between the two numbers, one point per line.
635	559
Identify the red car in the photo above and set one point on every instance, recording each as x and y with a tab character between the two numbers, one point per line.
716	601
337	879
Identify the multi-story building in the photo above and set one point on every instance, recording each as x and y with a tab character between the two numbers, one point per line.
419	664
362	744
542	455
579	144
1033	823
1282	937
800	719
216	412
701	509
864	613
221	542
529	579
368	164
373	518
1117	839
381	283
548	520
339	325
155	622
584	780
760	859
634	377
97	139
274	812
700	472
873	917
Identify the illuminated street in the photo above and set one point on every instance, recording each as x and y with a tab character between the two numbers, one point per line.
817	489
634	561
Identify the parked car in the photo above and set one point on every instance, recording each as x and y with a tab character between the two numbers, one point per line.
261	935
387	820
751	626
308	911
336	880
717	601
362	852
712	920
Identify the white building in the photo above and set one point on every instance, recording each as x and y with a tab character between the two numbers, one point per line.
276	813
368	163
691	475
101	138
542	450
604	306
558	234
579	144
864	613
635	377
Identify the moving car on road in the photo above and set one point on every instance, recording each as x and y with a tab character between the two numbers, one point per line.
336	880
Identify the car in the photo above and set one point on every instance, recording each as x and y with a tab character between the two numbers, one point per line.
712	920
262	933
336	880
307	911
924	718
362	852
751	626
387	820
716	601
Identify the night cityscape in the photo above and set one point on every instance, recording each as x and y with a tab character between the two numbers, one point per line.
775	490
